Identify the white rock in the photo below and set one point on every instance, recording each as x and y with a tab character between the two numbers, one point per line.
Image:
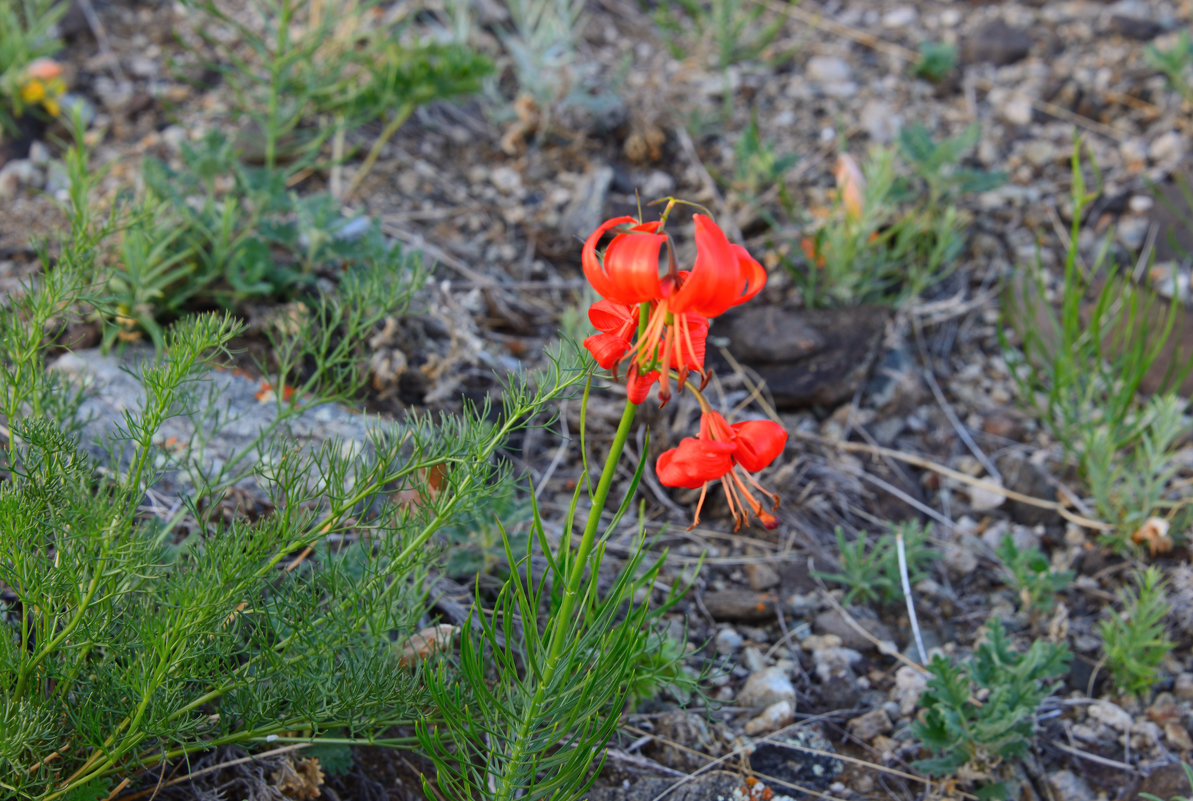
834	75
766	688
909	684
775	716
880	121
1111	715
506	179
1167	147
727	641
982	499
1017	110
899	17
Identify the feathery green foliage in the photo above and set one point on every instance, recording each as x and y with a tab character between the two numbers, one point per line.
1134	640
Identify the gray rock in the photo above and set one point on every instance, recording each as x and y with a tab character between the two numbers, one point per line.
773	718
688	788
684	739
868	726
832	621
1069	786
996	43
839	688
225	413
1166	148
808	357
727	641
766	687
1138	28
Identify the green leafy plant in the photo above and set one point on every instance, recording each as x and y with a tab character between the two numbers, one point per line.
1133	640
1176	63
871	574
982	712
937	60
901	231
1030	573
1081	368
27	33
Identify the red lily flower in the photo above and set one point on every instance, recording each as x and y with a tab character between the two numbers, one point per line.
627	273
716	455
618	323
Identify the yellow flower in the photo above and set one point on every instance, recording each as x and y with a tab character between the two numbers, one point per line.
33	92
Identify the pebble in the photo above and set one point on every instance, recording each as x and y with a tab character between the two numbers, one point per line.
16	174
870	725
505	179
996	43
899	17
1111	715
1167	148
1068	785
1182	687
765	688
774	717
909	685
880	121
1016	109
833	74
727	641
761	576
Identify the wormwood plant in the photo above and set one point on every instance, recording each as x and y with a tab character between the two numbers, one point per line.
981	713
871	574
895	229
1081	367
1029	572
1133	640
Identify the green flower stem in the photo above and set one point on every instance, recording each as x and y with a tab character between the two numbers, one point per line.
576	568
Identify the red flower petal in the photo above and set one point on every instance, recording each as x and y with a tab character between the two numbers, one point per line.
723	275
694	463
758	443
637	385
613	318
607	349
628	272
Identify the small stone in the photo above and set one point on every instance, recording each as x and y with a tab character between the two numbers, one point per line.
765	688
1025	477
1017	109
727	641
1141	204
880	121
996	43
1039	153
1068	785
761	576
1138	28
16	174
773	718
39	154
1166	148
742	606
506	179
1132	231
832	622
958	560
899	17
1111	715
868	726
833	75
909	685
1133	153
1182	687
839	686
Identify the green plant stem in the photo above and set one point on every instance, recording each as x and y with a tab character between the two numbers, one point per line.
563	618
391	128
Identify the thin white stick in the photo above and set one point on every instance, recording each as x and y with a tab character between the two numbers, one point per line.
915	624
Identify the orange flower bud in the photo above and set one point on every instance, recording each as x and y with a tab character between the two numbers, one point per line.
44	69
851	185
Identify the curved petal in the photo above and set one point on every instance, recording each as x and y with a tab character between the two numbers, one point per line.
607	349
758	443
694	463
713	285
613	318
637	385
628	272
751	273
